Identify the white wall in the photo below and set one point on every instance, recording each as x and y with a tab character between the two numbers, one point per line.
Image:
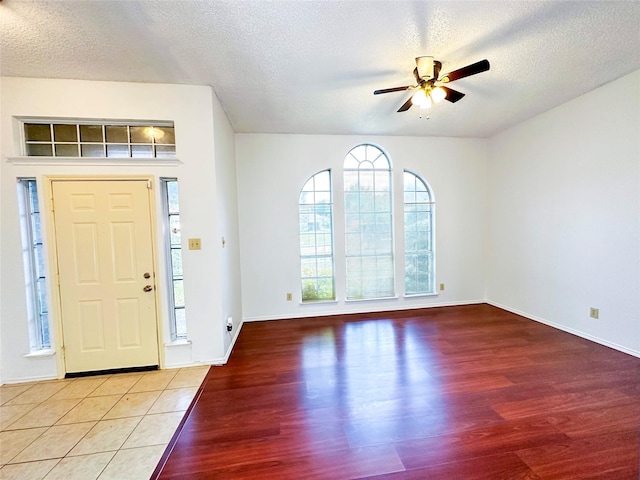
273	168
227	217
564	223
192	110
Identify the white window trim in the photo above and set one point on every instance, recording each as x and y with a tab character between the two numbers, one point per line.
94	161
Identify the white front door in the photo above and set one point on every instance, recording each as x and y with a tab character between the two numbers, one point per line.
105	262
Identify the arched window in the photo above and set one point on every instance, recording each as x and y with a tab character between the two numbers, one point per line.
315	211
368	224
419	258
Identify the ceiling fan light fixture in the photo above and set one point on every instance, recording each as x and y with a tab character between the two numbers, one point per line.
427	73
421	99
438	94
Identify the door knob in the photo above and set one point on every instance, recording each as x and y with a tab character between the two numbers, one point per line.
147	288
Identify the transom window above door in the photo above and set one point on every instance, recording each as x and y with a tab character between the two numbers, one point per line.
99	140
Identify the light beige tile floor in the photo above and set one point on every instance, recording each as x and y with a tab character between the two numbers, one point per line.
104	427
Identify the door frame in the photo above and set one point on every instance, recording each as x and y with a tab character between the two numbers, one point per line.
55	313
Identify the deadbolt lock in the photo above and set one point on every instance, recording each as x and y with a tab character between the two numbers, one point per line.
147	275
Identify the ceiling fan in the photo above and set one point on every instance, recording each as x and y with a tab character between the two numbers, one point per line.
429	86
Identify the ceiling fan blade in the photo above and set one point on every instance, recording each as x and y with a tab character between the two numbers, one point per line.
425	67
394	89
405	106
474	68
452	95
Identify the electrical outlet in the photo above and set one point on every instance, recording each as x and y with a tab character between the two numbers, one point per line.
289	297
442	287
195	244
229	324
594	312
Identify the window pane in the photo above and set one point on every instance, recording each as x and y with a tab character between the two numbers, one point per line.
307	244
172	191
35	132
325	289
141	135
365	181
325	267
91	133
65	133
39	150
117	151
35	225
309	267
352	202
174	230
38	260
181	323
66	150
382	202
322	182
176	262
164	135
178	293
323	197
422	197
89	150
165	151
366	202
309	290
382	181
117	134
141	151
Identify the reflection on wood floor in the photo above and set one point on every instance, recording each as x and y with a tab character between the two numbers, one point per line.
470	392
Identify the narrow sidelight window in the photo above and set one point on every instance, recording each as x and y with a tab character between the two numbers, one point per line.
33	259
173	252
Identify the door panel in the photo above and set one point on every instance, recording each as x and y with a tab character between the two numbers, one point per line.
104	247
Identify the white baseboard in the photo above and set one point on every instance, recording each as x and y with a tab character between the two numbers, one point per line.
223	360
232	344
29	379
572	331
331	313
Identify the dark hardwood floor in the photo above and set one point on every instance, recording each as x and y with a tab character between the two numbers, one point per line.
455	393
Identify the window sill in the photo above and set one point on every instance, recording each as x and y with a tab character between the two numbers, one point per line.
41	353
95	161
414	295
319	302
178	343
370	299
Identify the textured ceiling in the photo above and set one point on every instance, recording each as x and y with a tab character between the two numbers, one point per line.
311	66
